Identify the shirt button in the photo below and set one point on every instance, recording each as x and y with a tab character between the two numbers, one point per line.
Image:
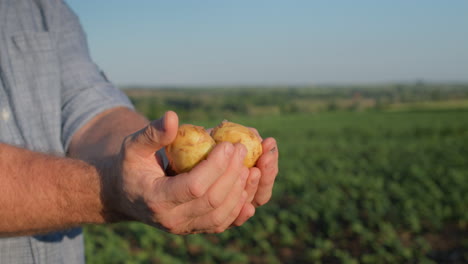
5	114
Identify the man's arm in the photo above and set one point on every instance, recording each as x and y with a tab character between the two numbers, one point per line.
42	193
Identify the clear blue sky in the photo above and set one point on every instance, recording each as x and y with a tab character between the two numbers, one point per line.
198	42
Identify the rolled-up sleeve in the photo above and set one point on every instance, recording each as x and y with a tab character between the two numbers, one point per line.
86	91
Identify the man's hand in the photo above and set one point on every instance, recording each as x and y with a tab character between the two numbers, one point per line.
208	199
129	184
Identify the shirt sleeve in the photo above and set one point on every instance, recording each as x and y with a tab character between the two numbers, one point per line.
86	91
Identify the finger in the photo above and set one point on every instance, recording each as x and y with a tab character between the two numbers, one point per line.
251	187
220	190
247	211
219	219
252	183
234	215
268	165
154	136
193	185
236	171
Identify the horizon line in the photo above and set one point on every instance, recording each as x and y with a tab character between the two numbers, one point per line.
292	85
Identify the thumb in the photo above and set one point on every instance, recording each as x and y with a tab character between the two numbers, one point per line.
156	135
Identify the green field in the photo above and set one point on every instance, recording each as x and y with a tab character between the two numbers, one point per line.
385	182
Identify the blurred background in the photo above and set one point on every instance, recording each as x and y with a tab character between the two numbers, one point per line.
368	102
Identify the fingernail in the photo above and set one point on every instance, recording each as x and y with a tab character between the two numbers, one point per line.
273	150
228	149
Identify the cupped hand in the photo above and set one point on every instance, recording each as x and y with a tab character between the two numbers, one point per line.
259	186
208	199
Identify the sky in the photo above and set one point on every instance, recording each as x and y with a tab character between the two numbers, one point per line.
273	42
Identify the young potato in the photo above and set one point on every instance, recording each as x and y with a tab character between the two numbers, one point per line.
235	133
191	145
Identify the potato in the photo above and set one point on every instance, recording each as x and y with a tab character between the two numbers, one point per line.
191	145
235	133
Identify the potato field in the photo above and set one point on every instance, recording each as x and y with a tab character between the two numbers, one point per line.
367	175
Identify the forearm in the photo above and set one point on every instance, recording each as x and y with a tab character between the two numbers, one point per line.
40	192
102	137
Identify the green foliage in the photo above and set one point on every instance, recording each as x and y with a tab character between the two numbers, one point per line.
353	187
221	103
